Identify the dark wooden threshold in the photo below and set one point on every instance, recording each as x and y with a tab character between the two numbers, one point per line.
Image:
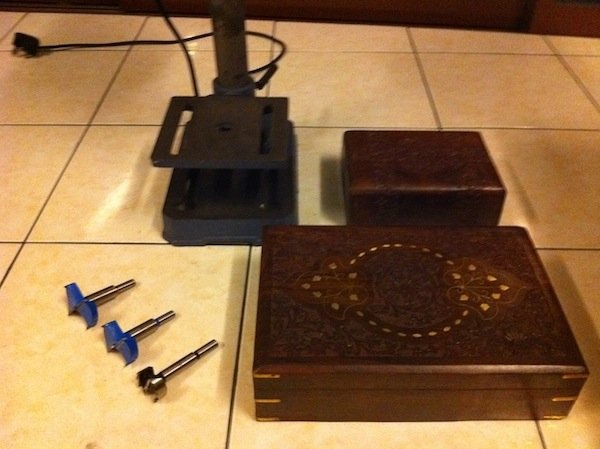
509	14
566	17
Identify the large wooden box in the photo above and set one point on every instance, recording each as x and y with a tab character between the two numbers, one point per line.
409	324
419	178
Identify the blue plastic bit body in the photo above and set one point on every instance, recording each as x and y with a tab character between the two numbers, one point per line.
77	303
126	342
87	306
121	341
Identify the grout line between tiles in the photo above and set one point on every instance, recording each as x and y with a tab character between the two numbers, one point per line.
341	127
572	72
448	128
80	140
430	98
522	128
462	127
238	352
408	52
489	53
165	243
429	52
558	248
91	242
49	125
56	182
12	28
11	265
116	74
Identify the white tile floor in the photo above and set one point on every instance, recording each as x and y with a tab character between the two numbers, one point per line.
82	203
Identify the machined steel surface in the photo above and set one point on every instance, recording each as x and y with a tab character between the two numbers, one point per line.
149	326
156	384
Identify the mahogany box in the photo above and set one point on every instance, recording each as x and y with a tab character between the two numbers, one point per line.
409	324
419	178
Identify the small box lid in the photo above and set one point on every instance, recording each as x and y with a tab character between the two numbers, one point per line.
340	301
389	161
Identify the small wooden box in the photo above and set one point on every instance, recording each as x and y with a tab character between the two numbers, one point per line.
409	324
419	178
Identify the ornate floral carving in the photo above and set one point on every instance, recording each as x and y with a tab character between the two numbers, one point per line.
357	288
482	289
334	287
477	296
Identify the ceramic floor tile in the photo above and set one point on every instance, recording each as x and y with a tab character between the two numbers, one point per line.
467	41
588	71
247	433
61	88
365	76
110	192
7	21
8	251
552	182
320	195
475	90
574	275
569	45
51	28
144	87
60	385
31	161
342	37
156	28
353	89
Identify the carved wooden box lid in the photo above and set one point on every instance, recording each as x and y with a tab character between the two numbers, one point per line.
408	300
388	161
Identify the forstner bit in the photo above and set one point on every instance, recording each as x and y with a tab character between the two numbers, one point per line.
126	342
87	306
156	384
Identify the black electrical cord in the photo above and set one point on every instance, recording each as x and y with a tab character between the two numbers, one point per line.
30	46
181	43
276	59
65	47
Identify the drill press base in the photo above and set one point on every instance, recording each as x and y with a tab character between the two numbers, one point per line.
225	206
234	172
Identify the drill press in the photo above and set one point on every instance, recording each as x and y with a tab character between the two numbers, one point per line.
234	166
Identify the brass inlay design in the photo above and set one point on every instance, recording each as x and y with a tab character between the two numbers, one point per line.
575	376
267	419
482	289
267	401
564	399
267	376
554	417
476	289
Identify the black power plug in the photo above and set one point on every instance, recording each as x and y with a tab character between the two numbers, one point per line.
26	45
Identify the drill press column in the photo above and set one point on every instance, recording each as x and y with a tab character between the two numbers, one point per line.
235	168
230	48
